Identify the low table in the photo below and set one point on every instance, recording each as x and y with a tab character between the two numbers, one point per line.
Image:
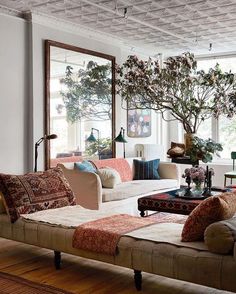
168	202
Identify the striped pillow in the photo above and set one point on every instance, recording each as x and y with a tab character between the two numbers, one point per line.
146	170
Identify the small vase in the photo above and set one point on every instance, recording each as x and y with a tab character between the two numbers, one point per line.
197	189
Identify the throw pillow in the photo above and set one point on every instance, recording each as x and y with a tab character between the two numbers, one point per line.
210	210
35	191
2	204
85	166
146	170
109	177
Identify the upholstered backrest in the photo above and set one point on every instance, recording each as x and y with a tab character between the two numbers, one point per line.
121	165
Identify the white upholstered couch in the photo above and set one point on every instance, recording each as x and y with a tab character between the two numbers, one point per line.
123	198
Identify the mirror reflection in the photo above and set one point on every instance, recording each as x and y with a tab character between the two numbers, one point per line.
80	102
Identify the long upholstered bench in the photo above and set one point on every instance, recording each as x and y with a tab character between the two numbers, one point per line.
155	250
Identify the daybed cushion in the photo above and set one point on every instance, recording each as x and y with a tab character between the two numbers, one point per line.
138	187
220	236
212	209
146	170
109	177
35	191
119	164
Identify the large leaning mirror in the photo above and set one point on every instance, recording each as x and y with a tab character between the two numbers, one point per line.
80	104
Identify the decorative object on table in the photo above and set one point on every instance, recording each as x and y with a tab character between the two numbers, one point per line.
198	175
208	182
139	123
203	149
92	139
148	85
176	150
231	174
121	139
45	137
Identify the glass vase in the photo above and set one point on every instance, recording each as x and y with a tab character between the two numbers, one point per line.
197	189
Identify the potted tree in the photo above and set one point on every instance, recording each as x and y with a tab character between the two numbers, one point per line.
177	88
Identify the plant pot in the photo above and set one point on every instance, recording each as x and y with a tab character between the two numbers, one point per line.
188	141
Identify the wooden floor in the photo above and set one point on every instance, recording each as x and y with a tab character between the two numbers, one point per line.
77	275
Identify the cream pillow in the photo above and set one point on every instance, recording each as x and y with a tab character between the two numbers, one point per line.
109	177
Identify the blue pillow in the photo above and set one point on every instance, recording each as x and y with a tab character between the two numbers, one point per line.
85	166
146	170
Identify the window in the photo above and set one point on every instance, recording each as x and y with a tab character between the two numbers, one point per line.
222	130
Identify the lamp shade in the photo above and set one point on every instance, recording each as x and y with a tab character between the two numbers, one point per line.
120	138
91	138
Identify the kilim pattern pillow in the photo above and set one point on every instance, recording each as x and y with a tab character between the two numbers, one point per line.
210	210
35	191
146	170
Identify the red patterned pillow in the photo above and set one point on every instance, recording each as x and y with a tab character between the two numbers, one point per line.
35	191
121	165
212	209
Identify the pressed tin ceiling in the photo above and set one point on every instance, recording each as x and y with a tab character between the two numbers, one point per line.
171	26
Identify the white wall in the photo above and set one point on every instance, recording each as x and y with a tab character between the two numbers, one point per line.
13	95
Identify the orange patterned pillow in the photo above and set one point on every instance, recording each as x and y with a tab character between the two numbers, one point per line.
210	210
119	164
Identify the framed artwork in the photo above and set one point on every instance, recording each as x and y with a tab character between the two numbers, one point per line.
139	123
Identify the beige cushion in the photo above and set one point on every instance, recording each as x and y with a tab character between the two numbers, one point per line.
109	177
220	236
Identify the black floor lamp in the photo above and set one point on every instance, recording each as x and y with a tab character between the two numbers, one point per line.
45	137
91	139
121	138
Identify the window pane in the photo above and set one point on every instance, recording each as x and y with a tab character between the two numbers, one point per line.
227	135
205	129
226	127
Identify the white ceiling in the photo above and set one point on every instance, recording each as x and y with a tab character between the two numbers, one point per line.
159	25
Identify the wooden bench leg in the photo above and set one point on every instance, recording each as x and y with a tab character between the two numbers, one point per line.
57	259
138	280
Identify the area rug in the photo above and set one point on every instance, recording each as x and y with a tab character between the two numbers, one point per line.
10	284
165	217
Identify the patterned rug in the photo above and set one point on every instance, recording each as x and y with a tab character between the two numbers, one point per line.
165	217
10	284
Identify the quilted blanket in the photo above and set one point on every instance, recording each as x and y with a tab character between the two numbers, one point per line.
103	235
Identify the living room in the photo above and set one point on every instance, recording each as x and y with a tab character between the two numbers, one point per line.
155	29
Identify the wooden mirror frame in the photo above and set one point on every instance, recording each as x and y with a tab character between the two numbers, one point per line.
48	44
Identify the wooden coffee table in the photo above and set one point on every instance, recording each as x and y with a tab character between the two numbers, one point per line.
168	202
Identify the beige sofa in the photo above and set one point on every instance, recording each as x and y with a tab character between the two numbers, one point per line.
123	198
157	250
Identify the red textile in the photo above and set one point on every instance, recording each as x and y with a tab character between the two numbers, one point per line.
102	235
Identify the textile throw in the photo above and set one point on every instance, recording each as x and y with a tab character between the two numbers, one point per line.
103	235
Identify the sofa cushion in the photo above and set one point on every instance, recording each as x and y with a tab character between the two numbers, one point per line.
109	177
85	166
146	170
220	236
35	191
135	188
119	164
210	210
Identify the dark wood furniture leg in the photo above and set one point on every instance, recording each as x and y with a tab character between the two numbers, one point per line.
138	280
57	259
142	213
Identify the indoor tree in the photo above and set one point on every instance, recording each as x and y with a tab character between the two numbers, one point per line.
88	93
190	96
